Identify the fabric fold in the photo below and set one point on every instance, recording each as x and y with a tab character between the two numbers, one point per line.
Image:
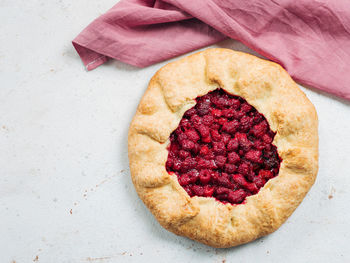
310	39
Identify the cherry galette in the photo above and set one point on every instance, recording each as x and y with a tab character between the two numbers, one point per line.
223	147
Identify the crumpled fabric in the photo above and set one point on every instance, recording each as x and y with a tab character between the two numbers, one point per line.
309	38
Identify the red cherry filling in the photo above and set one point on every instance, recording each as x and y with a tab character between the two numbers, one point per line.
223	148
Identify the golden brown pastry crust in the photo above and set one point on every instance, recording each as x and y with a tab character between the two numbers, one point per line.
267	87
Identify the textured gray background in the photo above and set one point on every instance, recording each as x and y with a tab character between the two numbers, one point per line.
65	188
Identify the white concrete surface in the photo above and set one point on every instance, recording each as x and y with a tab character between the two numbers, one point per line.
65	188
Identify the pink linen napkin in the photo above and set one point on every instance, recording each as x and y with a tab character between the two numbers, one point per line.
309	38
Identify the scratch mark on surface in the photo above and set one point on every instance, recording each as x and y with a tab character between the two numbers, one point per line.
106	180
100	259
331	195
90	259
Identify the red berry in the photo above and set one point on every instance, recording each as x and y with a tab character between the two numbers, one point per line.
216	113
245	168
245	124
176	165
238	115
234	103
230	127
254	156
222	121
185	123
184	179
230	168
169	164
195	120
219	147
206	139
228	113
215	135
236	197
239	179
181	135
203	107
266	138
258	181
204	176
224	180
204	131
193	175
187	145
220	161
232	145
233	157
265	174
225	138
258	118
259	145
187	164
259	129
190	112
208	191
221	102
244	143
251	187
245	107
198	190
204	150
208	120
183	154
222	190
192	135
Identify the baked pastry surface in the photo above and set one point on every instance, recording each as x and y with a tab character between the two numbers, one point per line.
270	90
